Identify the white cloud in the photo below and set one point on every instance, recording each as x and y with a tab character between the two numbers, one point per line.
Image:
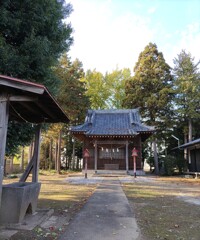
151	10
103	40
187	39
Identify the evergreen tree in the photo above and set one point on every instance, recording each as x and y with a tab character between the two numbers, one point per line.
151	90
72	90
187	88
74	101
32	37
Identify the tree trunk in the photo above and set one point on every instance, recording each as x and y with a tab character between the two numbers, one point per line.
22	160
73	155
59	152
50	154
77	164
190	130
11	164
31	147
185	149
155	157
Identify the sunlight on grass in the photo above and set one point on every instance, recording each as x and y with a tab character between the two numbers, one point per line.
56	192
159	213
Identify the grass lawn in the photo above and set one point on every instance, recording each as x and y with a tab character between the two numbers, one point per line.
161	211
66	199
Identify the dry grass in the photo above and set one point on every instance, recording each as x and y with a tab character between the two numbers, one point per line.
66	200
161	212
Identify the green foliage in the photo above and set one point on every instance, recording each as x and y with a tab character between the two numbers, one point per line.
73	100
96	89
19	134
169	165
72	90
32	36
187	89
151	88
150	161
181	163
115	82
106	91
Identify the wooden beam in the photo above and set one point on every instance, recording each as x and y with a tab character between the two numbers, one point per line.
27	170
18	98
22	86
4	113
34	162
22	99
111	142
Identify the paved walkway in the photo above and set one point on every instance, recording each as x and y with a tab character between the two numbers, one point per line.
107	215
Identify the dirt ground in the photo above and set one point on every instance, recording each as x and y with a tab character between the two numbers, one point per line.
64	198
166	208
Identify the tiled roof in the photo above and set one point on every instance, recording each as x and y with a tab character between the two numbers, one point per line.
112	122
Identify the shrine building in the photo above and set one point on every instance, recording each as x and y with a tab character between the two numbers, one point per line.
110	136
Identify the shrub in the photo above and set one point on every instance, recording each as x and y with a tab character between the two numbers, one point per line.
169	165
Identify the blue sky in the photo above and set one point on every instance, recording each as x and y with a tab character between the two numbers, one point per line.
112	33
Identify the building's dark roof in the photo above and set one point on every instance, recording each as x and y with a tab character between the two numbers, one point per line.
190	144
124	122
30	102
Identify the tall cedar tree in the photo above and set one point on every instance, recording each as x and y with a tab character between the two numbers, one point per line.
32	37
151	89
72	90
72	99
187	98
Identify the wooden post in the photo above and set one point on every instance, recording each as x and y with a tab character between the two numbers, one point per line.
3	134
36	153
127	167
95	156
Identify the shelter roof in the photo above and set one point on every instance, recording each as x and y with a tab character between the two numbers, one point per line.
30	102
123	122
190	144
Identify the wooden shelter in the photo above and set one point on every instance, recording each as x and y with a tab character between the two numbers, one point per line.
110	136
193	155
25	101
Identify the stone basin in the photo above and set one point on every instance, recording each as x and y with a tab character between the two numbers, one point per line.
18	199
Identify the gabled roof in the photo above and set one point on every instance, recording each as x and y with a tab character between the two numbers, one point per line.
30	102
124	122
190	144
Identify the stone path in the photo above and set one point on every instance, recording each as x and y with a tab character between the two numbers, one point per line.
107	215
